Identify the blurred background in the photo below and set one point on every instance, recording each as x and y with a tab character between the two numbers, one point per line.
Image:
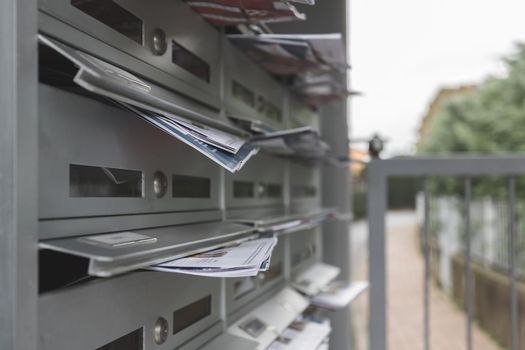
440	78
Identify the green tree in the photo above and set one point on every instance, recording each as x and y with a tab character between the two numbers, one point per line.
487	120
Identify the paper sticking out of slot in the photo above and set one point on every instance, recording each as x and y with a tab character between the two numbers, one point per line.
302	334
240	260
338	295
234	12
316	89
230	161
283	54
254	127
278	57
209	135
303	142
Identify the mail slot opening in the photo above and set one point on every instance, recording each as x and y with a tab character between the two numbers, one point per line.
130	341
59	270
191	187
190	62
304	191
243	189
191	314
114	16
273	190
96	181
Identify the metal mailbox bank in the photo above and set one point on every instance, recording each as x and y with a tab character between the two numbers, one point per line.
143	134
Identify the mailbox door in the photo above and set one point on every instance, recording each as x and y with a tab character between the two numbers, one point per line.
97	160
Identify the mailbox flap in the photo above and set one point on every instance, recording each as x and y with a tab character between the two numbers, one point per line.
316	278
103	78
287	223
115	253
267	321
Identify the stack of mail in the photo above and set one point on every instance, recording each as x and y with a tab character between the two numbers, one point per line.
227	150
303	142
234	12
283	54
238	260
302	334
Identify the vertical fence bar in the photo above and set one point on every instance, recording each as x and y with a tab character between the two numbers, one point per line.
512	261
426	282
468	270
377	195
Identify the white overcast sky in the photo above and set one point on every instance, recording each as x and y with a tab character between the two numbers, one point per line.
403	51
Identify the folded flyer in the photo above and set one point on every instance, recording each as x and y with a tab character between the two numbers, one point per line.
238	260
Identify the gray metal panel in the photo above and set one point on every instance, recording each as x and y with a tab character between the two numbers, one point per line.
261	284
78	130
179	23
92	315
171	242
18	175
336	192
238	67
260	170
99	224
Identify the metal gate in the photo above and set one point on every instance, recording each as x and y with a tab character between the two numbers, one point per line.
465	168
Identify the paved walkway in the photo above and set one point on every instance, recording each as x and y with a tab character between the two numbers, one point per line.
405	296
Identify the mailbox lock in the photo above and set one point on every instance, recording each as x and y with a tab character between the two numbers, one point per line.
158	42
160	184
261	190
261	276
160	332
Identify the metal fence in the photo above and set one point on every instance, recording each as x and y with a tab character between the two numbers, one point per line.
489	237
464	168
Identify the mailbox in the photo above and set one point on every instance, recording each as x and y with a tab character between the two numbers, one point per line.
133	312
164	41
